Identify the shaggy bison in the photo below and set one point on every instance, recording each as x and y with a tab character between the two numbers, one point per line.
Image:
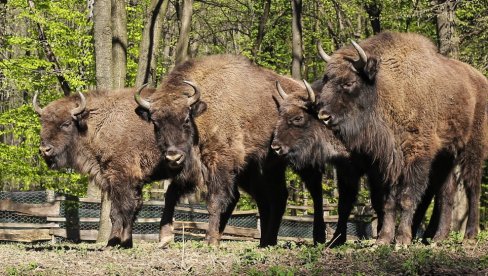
395	98
214	119
101	135
308	144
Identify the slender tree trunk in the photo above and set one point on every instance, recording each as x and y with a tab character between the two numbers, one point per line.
297	48
104	76
446	28
48	51
261	28
184	37
119	43
373	9
151	36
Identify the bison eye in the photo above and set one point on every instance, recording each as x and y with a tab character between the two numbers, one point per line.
297	119
348	85
66	124
187	120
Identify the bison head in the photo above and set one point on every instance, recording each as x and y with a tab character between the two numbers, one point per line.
349	87
172	114
62	121
296	131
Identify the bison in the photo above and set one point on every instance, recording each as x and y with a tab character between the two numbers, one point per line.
214	119
396	99
100	134
308	144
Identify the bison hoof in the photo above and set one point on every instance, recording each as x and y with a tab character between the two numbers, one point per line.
336	241
165	241
470	234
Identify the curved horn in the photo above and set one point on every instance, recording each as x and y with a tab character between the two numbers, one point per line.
362	54
322	53
311	94
196	96
281	91
78	110
37	108
141	102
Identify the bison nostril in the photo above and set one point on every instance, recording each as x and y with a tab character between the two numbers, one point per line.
175	156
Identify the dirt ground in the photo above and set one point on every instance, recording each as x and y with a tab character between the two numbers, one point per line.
244	258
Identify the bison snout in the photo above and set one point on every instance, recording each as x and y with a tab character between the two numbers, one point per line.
46	150
175	157
279	149
325	117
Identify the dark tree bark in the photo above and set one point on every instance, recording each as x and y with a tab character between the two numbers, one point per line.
184	36
48	51
104	76
446	28
119	43
297	48
261	28
373	8
151	37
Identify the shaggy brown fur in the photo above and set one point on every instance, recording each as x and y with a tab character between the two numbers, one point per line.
111	144
408	106
223	139
308	144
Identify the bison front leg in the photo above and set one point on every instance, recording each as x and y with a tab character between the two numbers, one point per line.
387	232
116	218
348	185
313	182
171	198
132	204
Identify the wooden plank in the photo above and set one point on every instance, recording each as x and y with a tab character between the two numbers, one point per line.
28	225
229	229
40	210
25	235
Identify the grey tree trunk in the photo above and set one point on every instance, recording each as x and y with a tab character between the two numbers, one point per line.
297	48
184	36
151	36
119	43
446	28
104	76
261	28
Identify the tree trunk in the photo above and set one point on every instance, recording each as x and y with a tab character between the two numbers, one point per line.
373	9
119	43
184	37
446	28
103	43
261	31
104	76
297	49
151	36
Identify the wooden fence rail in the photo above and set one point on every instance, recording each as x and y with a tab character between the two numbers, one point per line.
77	219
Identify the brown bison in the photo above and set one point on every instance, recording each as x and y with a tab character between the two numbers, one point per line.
101	135
214	119
308	144
395	98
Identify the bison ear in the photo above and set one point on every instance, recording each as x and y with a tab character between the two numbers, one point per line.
143	113
198	108
371	68
81	119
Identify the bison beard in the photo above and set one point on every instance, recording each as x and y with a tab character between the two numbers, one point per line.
86	135
408	107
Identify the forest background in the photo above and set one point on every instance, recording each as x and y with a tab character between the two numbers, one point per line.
59	46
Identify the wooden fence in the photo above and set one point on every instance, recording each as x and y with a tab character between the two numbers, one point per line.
76	219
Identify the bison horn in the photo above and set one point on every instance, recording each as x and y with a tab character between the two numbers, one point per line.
78	110
141	102
311	94
196	96
37	108
322	53
281	91
362	55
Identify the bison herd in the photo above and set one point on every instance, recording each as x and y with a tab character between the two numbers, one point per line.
391	109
